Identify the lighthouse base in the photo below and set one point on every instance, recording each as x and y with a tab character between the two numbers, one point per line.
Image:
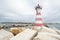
37	28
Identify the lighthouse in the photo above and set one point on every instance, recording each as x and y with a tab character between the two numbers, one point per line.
38	19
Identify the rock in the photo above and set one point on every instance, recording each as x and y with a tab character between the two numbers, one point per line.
47	36
15	30
5	35
27	34
49	30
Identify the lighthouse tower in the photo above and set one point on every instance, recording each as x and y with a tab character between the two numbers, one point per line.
38	20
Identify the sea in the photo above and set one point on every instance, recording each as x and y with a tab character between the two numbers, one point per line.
51	25
54	25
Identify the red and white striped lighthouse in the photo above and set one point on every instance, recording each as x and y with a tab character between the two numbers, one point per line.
38	20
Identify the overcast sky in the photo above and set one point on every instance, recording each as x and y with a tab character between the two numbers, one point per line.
24	10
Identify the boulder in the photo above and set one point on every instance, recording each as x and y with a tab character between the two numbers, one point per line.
5	35
49	30
47	36
16	30
27	34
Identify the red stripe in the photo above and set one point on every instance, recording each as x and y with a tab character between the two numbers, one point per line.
38	24
38	14
38	18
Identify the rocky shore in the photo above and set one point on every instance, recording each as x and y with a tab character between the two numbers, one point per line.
44	33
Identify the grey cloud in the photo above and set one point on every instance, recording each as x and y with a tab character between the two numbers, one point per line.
51	13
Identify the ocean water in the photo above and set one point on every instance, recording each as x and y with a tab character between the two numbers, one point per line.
51	25
54	25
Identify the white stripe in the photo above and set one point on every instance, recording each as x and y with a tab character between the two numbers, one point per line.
38	22
37	27
38	16
39	11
